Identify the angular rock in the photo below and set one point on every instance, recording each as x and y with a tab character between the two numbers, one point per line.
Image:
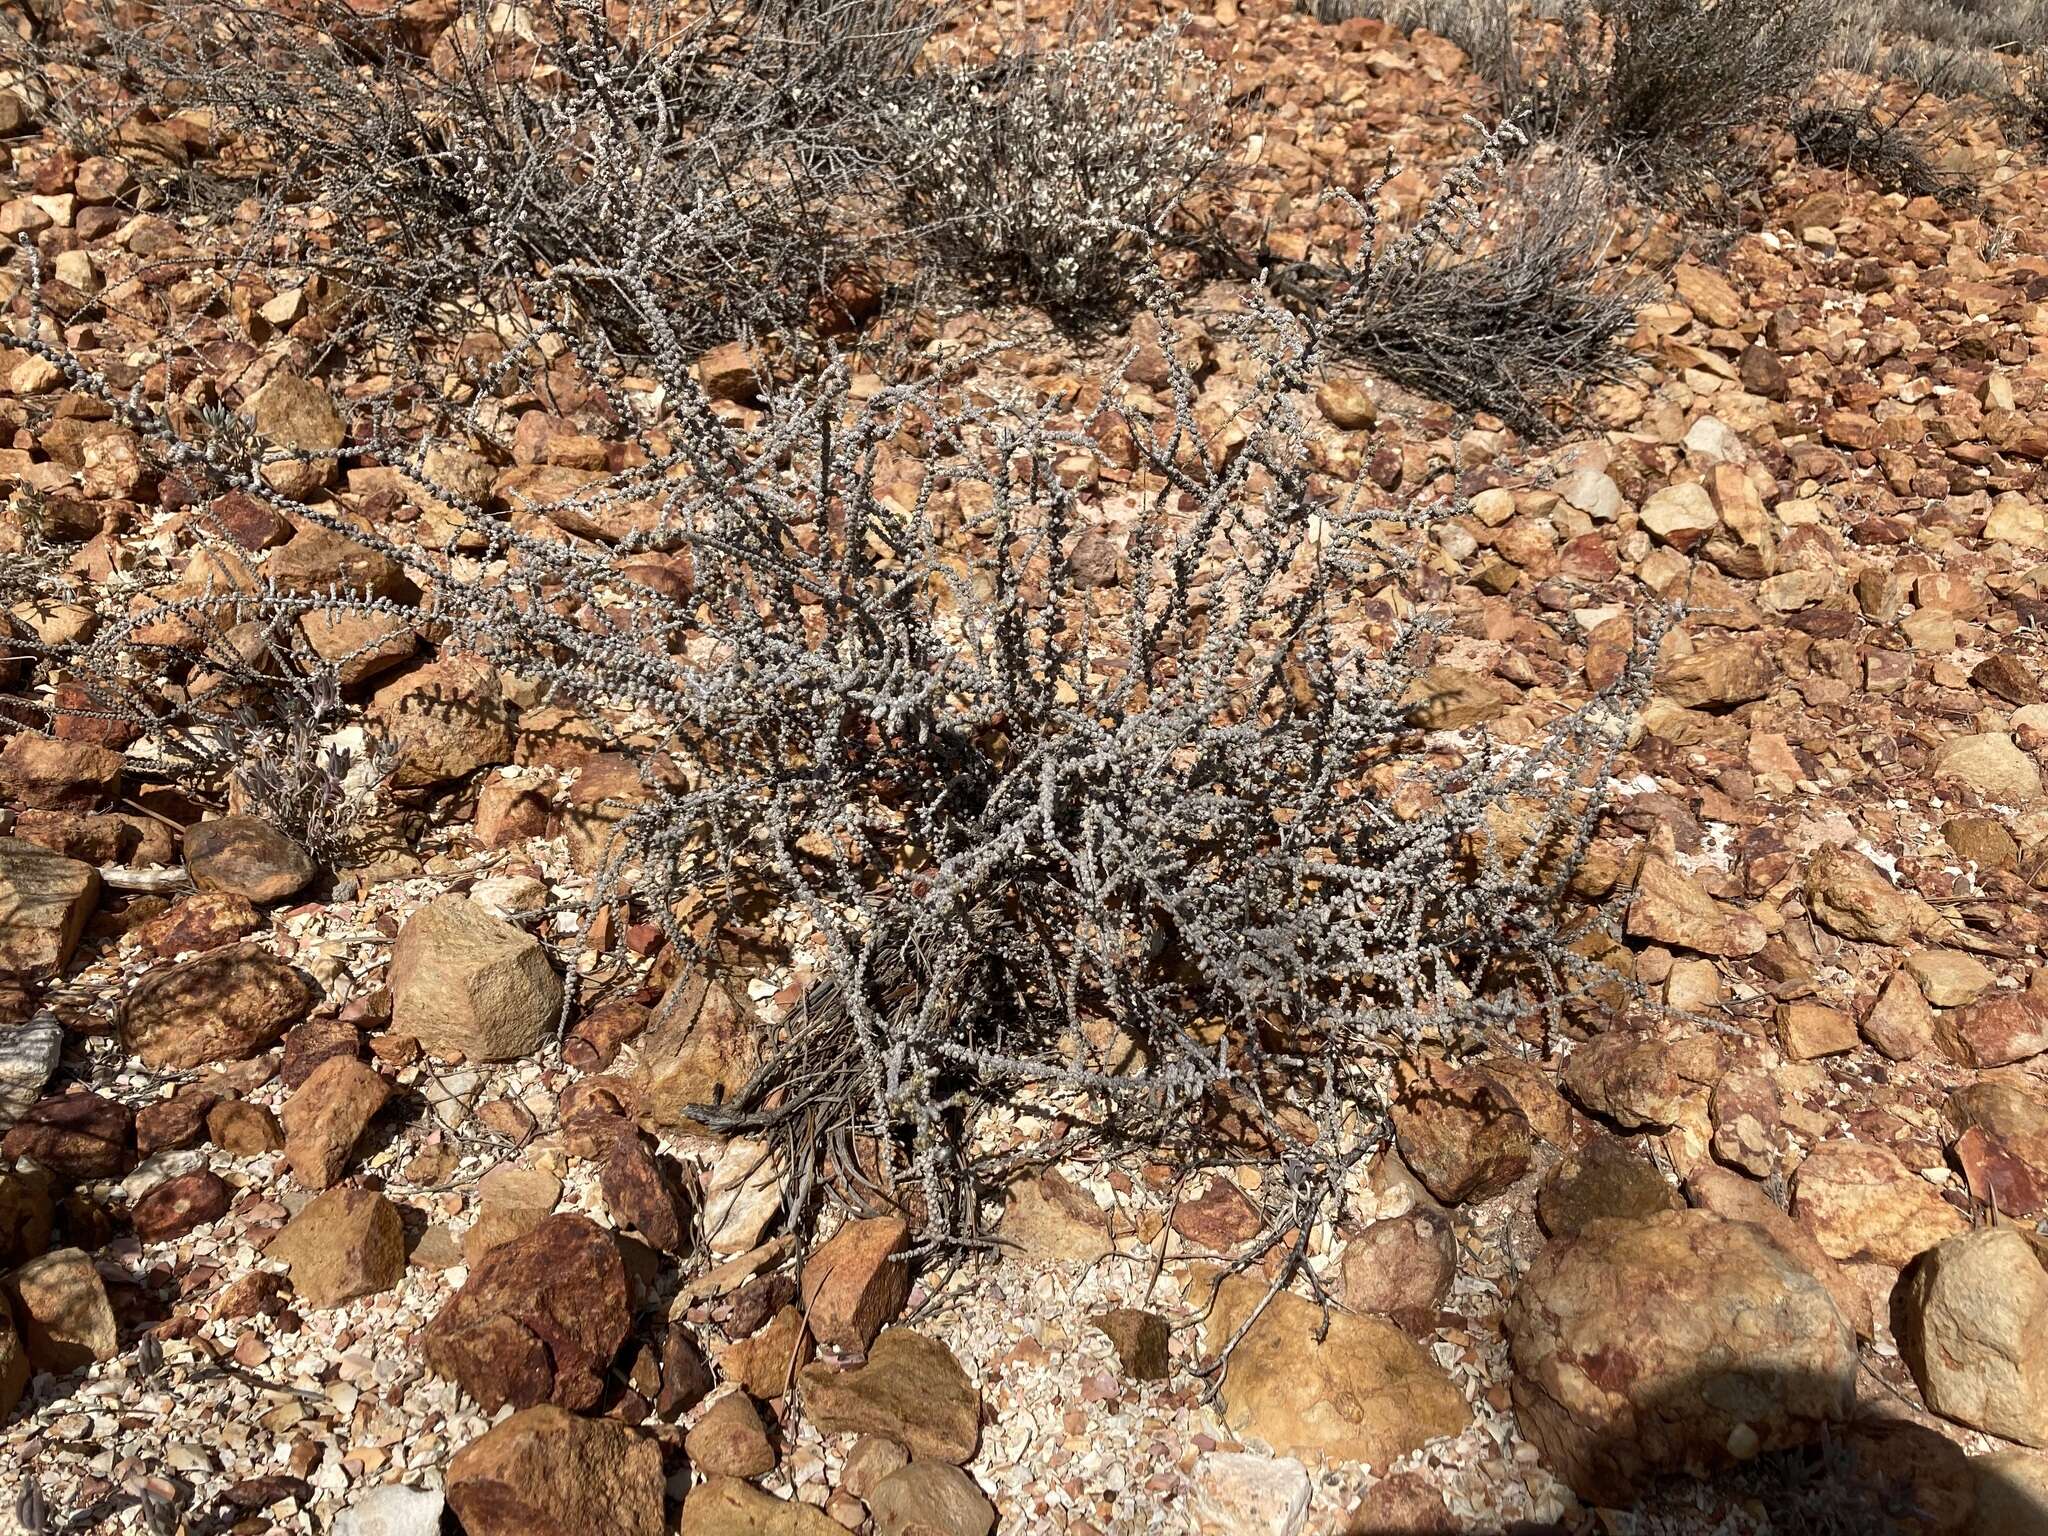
742	1195
1643	1082
1849	895
14	1367
730	1440
78	1136
445	721
49	775
701	1047
1972	1323
1992	765
910	1389
29	1053
223	1006
45	901
642	1195
538	1320
1864	1206
180	1204
1810	1030
60	1305
725	1506
1670	908
1139	1338
1900	1023
174	1124
464	981
1718	677
246	857
343	1245
199	922
1462	1133
1402	1266
242	1129
1949	978
544	1472
929	1498
765	1363
27	1215
327	1116
2012	1493
298	414
1995	1032
314	1042
1674	1342
857	1283
1365	1392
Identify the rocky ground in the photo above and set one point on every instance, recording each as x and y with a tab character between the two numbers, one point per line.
302	1228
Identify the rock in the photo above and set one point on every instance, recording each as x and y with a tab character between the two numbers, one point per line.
1994	1032
444	721
1670	908
1809	1031
1401	1266
326	1117
1139	1338
729	1441
246	857
544	1472
29	1054
929	1498
1864	1206
342	1245
1235	1493
1993	766
1643	1082
1972	1322
910	1389
314	1042
539	1319
60	1305
317	560
2012	1494
1462	1133
701	1048
686	1378
1672	1342
1681	515
1982	840
742	1195
512	1202
765	1363
77	1136
1949	978
199	922
1734	1198
224	1006
1346	403
180	1204
298	414
242	1129
728	372
1718	677
26	1215
14	1366
464	981
1709	296
643	1196
725	1506
1364	1392
857	1283
45	901
1849	895
1900	1023
174	1124
43	774
393	1510
1602	1180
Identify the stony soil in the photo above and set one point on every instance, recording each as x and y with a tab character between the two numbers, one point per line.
297	1205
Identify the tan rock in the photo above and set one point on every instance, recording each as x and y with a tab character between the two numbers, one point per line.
1362	1391
730	1440
1949	978
1863	1205
463	981
445	720
544	1472
1995	1031
1718	676
60	1306
346	1244
1681	515
1808	1030
225	1005
725	1506
2012	1494
1974	1332
929	1498
1461	1132
45	901
1670	908
1673	1342
1709	296
298	415
910	1390
1849	895
327	1115
1992	765
1733	1198
1900	1023
857	1283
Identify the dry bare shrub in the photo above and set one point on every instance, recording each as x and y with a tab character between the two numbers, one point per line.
1074	754
1483	28
1677	91
1503	296
1050	171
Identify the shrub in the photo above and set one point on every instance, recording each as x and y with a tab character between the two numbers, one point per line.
1483	28
1051	171
1888	146
1080	794
1503	296
1673	89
